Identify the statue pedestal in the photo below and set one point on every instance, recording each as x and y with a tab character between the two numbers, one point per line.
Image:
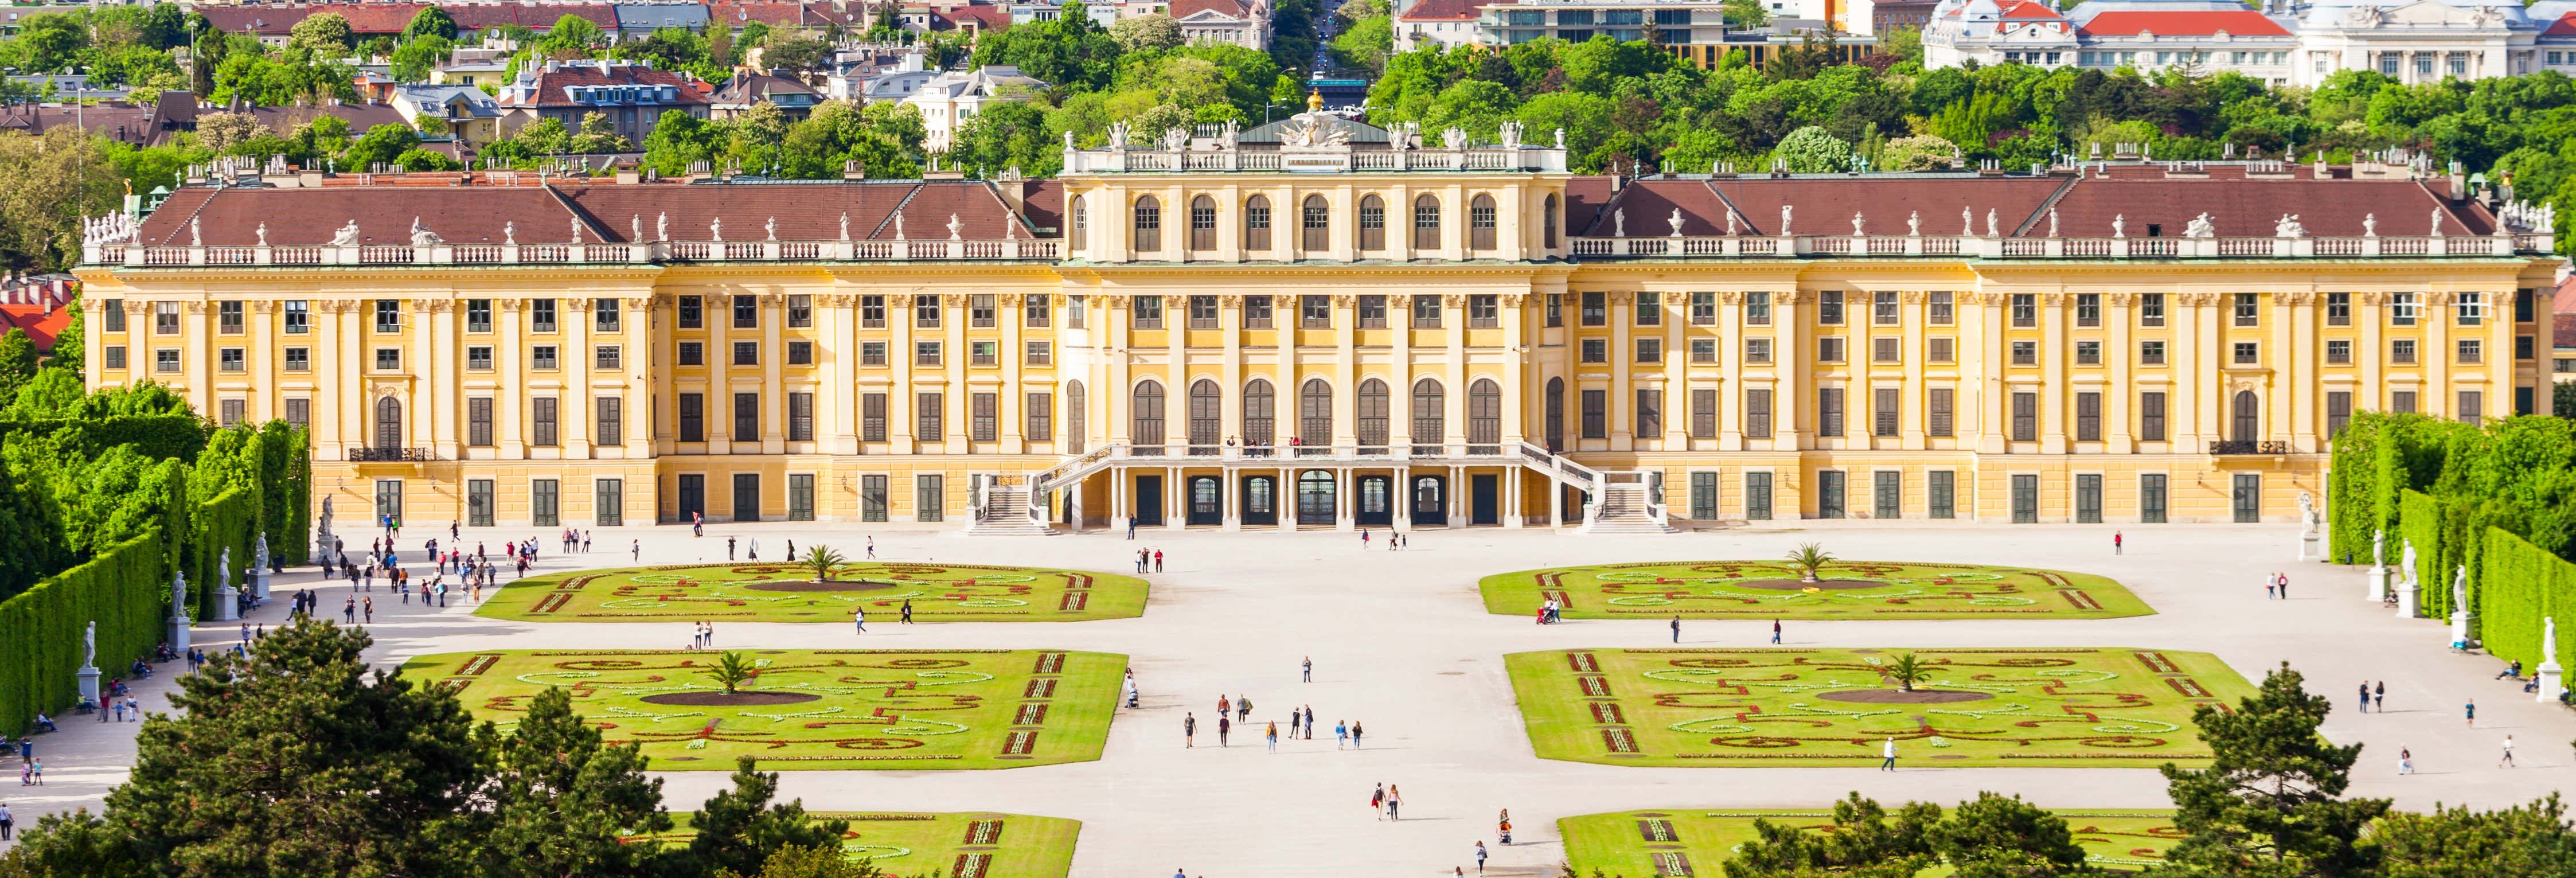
227	604
2312	547
2460	627
179	632
259	584
2552	679
2406	608
88	684
2378	583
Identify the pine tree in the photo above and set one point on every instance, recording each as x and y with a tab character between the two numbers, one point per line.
739	829
2267	806
563	800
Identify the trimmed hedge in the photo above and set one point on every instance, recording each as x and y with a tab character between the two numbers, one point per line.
2377	458
286	489
228	521
180	436
126	590
2524	585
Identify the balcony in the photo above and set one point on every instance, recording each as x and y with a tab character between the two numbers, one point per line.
2236	447
391	455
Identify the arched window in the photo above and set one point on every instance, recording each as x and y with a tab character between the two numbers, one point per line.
1149	224
1256	223
1484	412
1202	223
1428	412
2248	422
1426	223
1260	414
1555	414
1147	414
1073	409
1547	224
389	423
1207	413
1081	225
1480	223
1372	414
1315	413
1318	225
1372	223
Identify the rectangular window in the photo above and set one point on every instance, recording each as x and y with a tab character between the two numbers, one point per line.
388	315
1203	312
1703	413
1942	309
1650	350
604	316
1596	309
541	422
2088	498
2025	417
925	353
1757	350
1757	414
612	421
1372	312
1757	309
872	353
1484	311
2339	352
388	359
746	417
800	353
1703	496
985	410
1596	350
2247	353
1703	350
1037	312
478	315
1073	311
541	315
115	356
608	501
2338	309
1650	413
2401	350
1883	308
800	497
1887	494
692	353
1884	411
478	421
2151	416
800	417
544	507
2025	310
2246	309
2473	406
228	318
1829	349
1650	309
1703	311
1555	310
1257	312
1940	401
299	412
1829	308
165	359
2151	309
929	497
2025	498
1883	349
1944	488
2088	310
2470	309
1426	312
872	498
2402	402
2151	353
2025	353
984	353
1831	493
872	417
298	320
231	412
1040	353
231	360
1315	312
746	353
2151	498
542	357
746	312
1829	411
1037	416
980	311
2472	350
165	317
1757	496
2088	353
693	417
2088	417
2338	412
872	312
605	357
925	311
927	412
1941	350
2403	308
1596	414
112	314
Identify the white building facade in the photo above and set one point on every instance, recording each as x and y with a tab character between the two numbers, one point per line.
2302	44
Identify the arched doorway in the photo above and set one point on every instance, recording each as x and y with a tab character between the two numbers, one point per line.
1260	500
1430	500
1376	501
389	423
2247	421
1207	500
1316	497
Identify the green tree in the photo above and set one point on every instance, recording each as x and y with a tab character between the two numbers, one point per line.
1810	559
325	34
821	560
17	361
2268	803
809	861
731	670
419	56
572	36
1811	150
1907	670
2525	840
381	145
1071	51
1864	843
2004	837
291	761
431	21
739	829
1146	33
1747	15
798	52
1365	44
563	802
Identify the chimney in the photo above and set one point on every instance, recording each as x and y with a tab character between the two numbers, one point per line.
2459	182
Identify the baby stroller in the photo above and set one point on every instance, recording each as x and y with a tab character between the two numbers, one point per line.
1503	827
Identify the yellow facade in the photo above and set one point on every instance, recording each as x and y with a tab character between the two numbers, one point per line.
1343	368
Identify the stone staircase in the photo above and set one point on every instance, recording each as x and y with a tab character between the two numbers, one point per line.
1623	510
1006	513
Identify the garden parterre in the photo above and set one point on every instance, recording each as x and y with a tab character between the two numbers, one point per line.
975	845
1649	843
813	709
1843	590
758	592
2108	708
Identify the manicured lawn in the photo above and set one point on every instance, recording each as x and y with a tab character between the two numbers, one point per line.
2096	708
778	593
1848	590
951	845
1647	844
814	709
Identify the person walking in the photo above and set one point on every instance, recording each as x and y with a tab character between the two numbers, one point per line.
368	608
1364	538
1242	708
872	548
1377	802
1341	734
2507	760
2270	583
1189	730
1775	632
728	548
8	823
1355	735
2381	691
1310	722
1888	754
2115	542
2285	586
1293	717
349	612
907	611
1480	857
1224	705
2365	696
2472	711
1223	726
1131	528
1158	560
1677	628
1308	669
1273	735
2405	760
859	616
1394	802
635	551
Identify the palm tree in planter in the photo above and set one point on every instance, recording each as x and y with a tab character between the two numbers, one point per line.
1905	671
1809	558
731	670
821	560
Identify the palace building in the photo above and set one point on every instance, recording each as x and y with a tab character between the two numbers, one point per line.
1322	324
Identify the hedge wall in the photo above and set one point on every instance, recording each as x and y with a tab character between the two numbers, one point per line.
2524	585
286	491
125	590
179	436
229	520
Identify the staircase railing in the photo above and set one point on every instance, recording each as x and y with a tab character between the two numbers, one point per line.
1042	483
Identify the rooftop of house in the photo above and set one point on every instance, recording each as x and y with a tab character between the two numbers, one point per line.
583	83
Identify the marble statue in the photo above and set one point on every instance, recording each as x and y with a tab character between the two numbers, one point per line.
2379	548
2200	227
262	232
2548	640
423	237
662	226
89	646
2460	589
347	236
1914	223
898	225
1784	219
1117	135
845	226
2119	225
224	568
510	232
2307	514
956	228
196	237
576	229
1510	132
1967	222
634	227
1991	230
1731	226
715	229
178	592
261	552
2437	222
2288	226
2406	564
1857	224
1619	223
1676	221
771	228
2370	225
2052	222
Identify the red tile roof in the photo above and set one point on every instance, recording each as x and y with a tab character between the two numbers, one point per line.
2565	26
2025	9
2241	23
551	83
1444	10
1822	206
2564	300
1230	8
2562	331
42	322
390	18
984	17
533	16
787	14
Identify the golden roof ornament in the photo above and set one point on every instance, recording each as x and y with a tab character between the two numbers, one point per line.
1315	100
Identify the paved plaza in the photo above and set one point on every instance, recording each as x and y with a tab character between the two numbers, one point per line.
1404	643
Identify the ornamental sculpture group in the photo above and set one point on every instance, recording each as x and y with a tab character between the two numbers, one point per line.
2551	674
